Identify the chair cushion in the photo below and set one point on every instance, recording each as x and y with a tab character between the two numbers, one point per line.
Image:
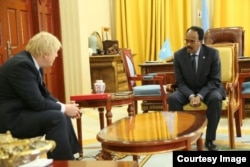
226	56
146	90
203	106
245	87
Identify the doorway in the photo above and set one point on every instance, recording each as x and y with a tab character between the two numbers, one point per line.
19	21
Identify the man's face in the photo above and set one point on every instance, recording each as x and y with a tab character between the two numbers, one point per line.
48	60
192	41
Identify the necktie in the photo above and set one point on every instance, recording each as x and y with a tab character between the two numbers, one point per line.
41	75
194	62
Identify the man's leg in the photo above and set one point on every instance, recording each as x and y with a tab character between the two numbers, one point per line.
176	101
75	146
55	125
214	104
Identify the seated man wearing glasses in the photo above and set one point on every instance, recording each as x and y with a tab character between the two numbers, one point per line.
198	78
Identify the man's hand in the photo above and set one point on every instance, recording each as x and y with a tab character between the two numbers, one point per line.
72	110
195	101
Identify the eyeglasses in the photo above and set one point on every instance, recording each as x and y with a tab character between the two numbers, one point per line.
189	41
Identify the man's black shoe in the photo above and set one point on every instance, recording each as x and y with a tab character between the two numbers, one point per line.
210	146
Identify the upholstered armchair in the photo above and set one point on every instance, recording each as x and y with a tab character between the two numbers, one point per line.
232	35
226	35
229	70
245	90
155	91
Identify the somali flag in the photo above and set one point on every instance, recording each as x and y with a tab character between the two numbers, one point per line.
165	51
204	16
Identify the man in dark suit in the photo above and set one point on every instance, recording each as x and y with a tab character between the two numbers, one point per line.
198	78
27	109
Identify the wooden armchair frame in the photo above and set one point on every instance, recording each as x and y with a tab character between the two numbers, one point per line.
226	35
243	96
133	78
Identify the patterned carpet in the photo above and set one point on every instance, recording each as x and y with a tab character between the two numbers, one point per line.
92	148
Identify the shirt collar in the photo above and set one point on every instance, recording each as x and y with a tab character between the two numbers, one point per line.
36	64
196	53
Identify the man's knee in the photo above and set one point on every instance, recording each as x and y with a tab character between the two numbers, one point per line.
56	117
214	97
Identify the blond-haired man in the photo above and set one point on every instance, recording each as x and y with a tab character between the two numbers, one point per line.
27	109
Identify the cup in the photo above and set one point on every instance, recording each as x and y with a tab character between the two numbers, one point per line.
99	86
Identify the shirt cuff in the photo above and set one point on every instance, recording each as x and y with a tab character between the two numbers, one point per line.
200	96
62	107
192	95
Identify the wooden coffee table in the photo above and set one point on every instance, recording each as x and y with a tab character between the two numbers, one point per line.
153	132
93	164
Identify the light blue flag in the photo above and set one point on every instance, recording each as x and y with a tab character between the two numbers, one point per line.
165	51
205	16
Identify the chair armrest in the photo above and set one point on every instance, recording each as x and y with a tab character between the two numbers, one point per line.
230	86
171	87
154	79
233	92
147	77
152	74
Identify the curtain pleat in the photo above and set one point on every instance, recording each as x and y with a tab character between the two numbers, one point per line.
144	25
233	13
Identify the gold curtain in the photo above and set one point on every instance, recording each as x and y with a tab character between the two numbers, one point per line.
233	13
144	25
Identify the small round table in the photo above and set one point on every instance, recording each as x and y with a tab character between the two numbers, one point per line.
101	101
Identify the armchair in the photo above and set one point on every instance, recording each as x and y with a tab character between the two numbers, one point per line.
229	70
153	92
232	35
226	35
245	90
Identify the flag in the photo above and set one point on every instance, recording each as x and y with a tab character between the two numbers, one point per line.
204	15
165	51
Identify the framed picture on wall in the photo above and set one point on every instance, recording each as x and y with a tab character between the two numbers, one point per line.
106	33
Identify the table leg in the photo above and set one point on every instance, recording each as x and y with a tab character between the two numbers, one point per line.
108	113
131	110
199	144
104	155
136	158
189	146
101	117
79	134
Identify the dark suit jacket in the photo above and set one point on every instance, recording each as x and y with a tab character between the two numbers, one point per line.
207	77
21	90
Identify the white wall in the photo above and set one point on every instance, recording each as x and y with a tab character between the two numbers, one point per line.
98	14
79	18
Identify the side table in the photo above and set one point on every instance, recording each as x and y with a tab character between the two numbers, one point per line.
101	101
